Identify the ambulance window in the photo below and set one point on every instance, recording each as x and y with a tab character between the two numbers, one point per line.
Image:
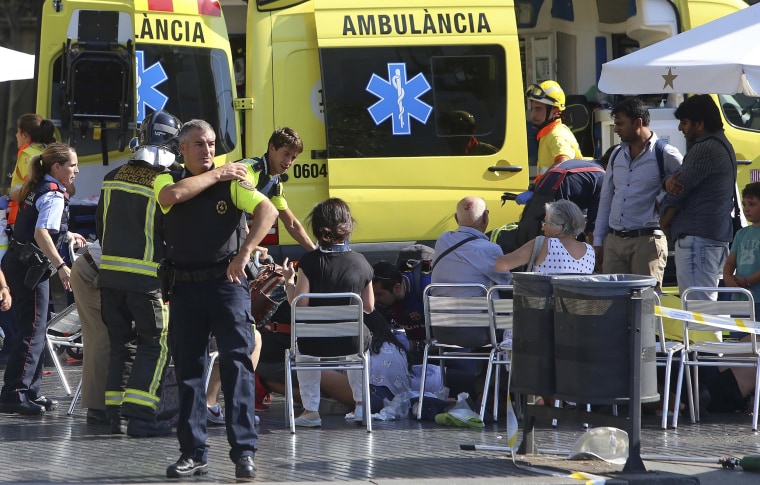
741	111
451	100
198	86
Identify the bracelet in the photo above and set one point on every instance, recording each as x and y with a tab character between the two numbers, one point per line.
290	285
58	268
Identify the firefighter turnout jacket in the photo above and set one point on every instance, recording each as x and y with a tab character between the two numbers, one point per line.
130	258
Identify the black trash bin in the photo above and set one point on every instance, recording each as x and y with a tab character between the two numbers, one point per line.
593	320
533	334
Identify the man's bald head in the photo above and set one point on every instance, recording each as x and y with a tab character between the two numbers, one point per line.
472	212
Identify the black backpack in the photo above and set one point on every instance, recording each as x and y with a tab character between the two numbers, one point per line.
545	190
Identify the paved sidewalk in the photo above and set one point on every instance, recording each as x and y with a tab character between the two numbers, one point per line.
57	448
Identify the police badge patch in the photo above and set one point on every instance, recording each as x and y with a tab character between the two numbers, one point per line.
221	207
246	185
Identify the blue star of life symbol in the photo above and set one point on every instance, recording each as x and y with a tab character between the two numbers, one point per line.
398	98
147	80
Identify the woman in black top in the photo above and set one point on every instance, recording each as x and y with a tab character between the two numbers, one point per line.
330	268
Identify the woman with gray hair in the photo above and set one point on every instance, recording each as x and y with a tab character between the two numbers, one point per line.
561	252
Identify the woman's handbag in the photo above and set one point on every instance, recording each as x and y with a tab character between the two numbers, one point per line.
537	243
267	292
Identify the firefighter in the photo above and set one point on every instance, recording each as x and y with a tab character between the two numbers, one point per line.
556	143
126	221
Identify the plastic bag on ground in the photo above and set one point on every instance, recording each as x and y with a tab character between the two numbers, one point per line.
398	408
460	414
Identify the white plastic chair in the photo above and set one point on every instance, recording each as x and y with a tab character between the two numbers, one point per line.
346	320
732	354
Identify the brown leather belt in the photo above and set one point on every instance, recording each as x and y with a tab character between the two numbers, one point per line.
88	257
274	327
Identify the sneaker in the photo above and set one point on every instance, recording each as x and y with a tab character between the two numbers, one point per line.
26	408
214	414
186	466
357	414
309	419
48	404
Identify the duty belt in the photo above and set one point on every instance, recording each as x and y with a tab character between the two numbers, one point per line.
199	275
629	233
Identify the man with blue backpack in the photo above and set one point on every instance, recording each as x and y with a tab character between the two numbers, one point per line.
627	237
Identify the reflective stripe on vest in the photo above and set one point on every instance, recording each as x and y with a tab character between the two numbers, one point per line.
146	266
128	187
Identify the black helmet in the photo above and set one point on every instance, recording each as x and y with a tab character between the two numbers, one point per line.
160	128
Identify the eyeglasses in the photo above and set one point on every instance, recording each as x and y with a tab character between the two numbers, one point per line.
537	92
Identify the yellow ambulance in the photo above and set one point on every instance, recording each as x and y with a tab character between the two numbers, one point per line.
405	107
104	65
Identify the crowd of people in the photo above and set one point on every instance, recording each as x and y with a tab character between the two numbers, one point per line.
148	253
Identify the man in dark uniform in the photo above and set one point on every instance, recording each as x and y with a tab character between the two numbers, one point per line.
125	223
268	176
207	253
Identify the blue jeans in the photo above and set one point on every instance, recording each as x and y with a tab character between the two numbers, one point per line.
699	262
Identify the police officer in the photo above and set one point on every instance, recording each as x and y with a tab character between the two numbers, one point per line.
269	174
33	254
125	223
208	250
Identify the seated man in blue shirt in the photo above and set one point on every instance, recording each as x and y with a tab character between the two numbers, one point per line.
471	261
